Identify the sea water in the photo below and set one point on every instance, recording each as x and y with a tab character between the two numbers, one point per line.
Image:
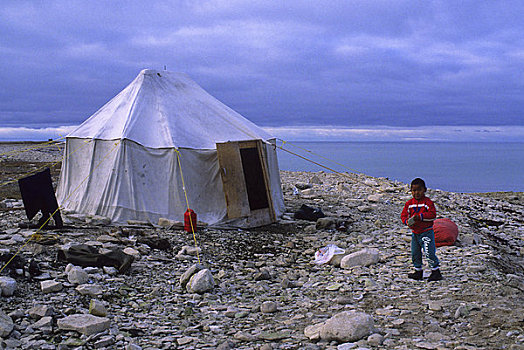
449	166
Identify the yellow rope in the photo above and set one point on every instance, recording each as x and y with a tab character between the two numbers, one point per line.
318	155
187	203
36	235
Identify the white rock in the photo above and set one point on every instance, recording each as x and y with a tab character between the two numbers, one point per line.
375	198
50	286
133	252
313	331
201	282
268	307
90	289
347	326
85	324
97	308
189	250
77	275
7	286
364	257
110	270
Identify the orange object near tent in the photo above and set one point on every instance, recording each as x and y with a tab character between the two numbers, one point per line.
446	232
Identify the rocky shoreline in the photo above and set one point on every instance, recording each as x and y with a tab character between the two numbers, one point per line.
266	292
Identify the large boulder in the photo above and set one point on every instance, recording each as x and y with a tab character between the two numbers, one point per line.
201	282
364	257
347	326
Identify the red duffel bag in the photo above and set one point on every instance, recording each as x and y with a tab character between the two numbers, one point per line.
446	232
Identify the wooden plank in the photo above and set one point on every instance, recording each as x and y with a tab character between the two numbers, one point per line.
233	181
260	217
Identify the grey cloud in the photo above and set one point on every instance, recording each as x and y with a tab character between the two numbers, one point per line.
278	63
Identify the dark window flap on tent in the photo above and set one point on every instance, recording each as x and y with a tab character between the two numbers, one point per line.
38	195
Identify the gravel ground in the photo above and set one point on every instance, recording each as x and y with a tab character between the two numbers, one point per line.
478	305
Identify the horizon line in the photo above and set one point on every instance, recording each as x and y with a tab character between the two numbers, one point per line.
326	133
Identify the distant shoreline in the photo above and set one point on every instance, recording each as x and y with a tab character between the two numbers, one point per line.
516	195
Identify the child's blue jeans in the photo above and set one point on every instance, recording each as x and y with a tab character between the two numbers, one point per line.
424	243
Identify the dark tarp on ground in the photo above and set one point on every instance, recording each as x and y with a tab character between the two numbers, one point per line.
86	255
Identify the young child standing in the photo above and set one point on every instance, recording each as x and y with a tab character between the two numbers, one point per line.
419	213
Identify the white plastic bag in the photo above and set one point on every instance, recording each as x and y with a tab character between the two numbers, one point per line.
324	255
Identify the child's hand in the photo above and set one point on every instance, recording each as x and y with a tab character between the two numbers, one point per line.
411	221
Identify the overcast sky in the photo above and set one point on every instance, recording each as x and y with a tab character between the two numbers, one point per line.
366	69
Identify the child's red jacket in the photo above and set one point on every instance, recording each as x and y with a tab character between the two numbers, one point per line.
425	208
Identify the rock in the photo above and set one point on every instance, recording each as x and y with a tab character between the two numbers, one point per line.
375	339
201	282
166	223
50	286
375	198
310	229
462	310
365	208
6	324
302	185
371	182
133	252
186	276
316	180
364	257
435	305
347	326
39	311
262	275
104	342
308	192
312	332
133	347
97	308
77	275
85	324
189	250
7	286
44	324
110	270
91	290
268	307
347	346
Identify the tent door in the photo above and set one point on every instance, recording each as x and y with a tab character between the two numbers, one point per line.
244	172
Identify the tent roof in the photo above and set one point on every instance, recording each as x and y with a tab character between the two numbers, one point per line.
164	109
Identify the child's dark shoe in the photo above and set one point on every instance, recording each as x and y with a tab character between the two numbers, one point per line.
417	275
435	275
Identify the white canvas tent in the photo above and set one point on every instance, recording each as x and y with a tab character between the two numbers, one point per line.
132	159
